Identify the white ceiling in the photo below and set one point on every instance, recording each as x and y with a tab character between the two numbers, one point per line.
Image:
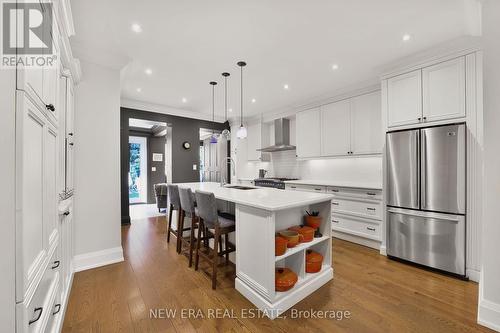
189	43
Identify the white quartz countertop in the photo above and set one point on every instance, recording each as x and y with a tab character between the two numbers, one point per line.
261	197
367	185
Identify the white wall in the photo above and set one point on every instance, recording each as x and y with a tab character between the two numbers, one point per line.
97	163
489	298
7	201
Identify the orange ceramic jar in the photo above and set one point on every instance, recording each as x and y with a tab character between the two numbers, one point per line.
280	244
284	279
306	232
314	260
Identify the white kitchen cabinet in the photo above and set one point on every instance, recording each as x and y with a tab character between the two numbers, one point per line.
366	124
308	132
404	99
336	128
257	138
444	90
30	237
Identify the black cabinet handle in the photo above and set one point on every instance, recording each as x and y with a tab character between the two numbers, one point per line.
66	213
369	208
419	118
370	228
371	193
425	118
57	308
50	107
334	190
39	312
56	264
335	221
70	134
318	189
335	203
71	144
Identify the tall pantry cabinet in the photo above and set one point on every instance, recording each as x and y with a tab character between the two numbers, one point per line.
44	135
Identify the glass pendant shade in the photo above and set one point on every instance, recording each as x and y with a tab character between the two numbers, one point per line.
242	132
226	134
213	138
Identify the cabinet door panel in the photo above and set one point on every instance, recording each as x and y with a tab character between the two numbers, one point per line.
404	98
308	129
31	248
366	124
50	184
335	128
444	90
253	142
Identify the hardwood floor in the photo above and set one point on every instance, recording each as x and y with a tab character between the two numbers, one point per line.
381	295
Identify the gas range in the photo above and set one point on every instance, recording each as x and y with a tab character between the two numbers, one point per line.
273	182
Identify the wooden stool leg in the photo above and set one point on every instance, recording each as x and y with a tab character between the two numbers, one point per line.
198	243
169	223
180	227
215	257
220	243
227	247
191	238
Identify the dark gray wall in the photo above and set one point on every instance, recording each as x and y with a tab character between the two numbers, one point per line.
183	129
155	145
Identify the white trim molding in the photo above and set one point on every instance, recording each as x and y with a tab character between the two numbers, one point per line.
96	259
488	313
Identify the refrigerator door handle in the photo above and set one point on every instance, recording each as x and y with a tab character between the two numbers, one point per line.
435	216
423	170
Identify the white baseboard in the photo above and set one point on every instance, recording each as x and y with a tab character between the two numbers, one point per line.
488	313
97	259
383	250
473	275
356	239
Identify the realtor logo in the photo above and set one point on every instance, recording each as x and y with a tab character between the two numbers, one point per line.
27	34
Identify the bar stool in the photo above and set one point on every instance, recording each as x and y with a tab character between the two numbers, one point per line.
188	208
217	226
175	204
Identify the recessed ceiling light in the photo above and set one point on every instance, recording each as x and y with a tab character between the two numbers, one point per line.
184	100
254	100
406	37
139	89
230	110
335	67
148	71
286	87
136	28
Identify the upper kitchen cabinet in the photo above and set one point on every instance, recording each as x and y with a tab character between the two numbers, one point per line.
257	138
433	93
404	99
335	128
308	132
444	90
366	124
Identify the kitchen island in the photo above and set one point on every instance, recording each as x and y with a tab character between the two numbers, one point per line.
260	214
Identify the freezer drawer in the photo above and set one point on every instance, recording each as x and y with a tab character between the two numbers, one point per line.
443	169
403	169
431	239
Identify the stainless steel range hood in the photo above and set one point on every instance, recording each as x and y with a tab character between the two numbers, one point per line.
281	137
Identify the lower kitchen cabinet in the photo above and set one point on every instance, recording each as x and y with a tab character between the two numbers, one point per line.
356	213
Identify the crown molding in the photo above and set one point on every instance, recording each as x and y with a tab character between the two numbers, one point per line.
165	109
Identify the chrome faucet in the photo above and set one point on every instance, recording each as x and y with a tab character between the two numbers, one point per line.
223	174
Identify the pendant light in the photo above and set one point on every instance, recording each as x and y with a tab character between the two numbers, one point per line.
242	131
225	133
213	137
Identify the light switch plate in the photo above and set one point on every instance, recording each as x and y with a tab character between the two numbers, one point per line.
153	169
195	167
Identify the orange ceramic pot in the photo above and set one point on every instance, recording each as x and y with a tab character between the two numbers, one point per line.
306	232
293	237
314	260
313	221
280	244
284	279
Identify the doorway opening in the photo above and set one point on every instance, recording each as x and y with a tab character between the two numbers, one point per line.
147	148
214	157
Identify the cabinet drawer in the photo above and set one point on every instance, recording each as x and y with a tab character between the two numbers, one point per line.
54	309
355	193
306	188
358	227
366	209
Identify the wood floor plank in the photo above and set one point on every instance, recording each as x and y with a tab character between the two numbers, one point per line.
381	295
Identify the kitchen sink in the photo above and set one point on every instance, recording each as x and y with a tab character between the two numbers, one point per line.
239	187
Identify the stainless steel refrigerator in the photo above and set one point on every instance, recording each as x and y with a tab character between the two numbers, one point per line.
426	196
